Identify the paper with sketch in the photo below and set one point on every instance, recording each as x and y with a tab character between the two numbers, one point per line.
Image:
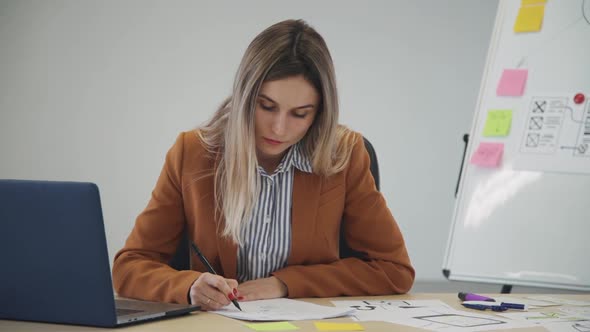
370	305
433	315
281	309
582	326
542	317
529	303
552	321
577	311
559	301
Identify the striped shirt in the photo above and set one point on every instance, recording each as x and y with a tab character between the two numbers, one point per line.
267	237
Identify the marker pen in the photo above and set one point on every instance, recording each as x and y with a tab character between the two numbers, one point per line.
474	297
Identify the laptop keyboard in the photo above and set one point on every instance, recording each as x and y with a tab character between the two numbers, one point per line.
123	312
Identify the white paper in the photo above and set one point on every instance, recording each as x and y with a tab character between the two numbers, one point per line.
552	321
369	305
435	315
541	318
555	136
559	301
281	309
577	311
528	302
583	326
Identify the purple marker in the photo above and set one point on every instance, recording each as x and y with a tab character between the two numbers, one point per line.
474	297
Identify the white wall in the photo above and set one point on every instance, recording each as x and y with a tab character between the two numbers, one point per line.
98	90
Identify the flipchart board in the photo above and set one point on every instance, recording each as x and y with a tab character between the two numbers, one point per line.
522	214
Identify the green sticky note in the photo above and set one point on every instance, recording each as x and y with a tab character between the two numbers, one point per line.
324	326
498	123
273	326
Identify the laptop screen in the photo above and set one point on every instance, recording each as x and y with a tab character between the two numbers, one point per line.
55	257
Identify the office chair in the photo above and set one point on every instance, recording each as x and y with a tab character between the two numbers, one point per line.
181	259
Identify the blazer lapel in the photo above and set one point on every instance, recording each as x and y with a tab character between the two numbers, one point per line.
228	256
226	262
306	192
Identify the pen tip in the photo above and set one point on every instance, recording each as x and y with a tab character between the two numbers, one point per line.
237	304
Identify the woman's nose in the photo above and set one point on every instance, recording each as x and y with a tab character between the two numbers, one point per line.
279	123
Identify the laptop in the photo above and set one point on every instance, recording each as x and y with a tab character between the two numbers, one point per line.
55	263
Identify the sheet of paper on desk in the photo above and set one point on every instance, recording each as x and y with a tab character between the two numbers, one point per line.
577	311
558	301
530	303
582	326
435	315
387	305
552	321
540	318
281	309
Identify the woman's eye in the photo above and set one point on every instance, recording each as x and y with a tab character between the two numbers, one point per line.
297	115
266	107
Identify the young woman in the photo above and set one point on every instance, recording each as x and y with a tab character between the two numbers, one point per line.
265	190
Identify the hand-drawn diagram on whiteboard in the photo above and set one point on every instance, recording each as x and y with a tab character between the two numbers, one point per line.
556	136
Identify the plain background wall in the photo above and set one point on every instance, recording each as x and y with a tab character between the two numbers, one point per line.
98	91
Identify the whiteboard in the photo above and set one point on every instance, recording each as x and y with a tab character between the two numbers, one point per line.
527	221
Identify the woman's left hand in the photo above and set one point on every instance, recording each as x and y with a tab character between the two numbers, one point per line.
260	289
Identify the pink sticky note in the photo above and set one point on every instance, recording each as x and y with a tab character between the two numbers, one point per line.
488	154
512	82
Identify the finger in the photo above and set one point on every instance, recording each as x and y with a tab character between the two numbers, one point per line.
204	294
221	284
208	304
233	284
197	298
215	295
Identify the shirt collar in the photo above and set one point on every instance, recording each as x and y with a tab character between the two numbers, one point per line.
294	157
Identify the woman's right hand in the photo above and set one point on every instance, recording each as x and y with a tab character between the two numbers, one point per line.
213	292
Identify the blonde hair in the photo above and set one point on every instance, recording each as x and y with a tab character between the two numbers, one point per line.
285	49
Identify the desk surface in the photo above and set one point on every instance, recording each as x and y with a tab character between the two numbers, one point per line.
202	321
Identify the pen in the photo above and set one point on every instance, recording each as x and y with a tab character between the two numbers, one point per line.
210	268
494	307
513	305
474	297
488	304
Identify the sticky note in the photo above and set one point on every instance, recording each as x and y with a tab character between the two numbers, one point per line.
272	326
324	326
488	154
532	2
512	82
530	18
498	123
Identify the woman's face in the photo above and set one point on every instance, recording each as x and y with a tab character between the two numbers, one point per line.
285	109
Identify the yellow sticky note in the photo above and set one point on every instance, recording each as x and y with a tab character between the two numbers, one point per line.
533	2
323	326
273	326
498	123
529	19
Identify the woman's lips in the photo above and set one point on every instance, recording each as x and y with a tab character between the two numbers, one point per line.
272	141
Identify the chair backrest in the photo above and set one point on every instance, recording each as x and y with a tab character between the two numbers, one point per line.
181	259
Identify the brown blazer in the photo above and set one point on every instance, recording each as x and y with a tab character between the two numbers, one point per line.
184	196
